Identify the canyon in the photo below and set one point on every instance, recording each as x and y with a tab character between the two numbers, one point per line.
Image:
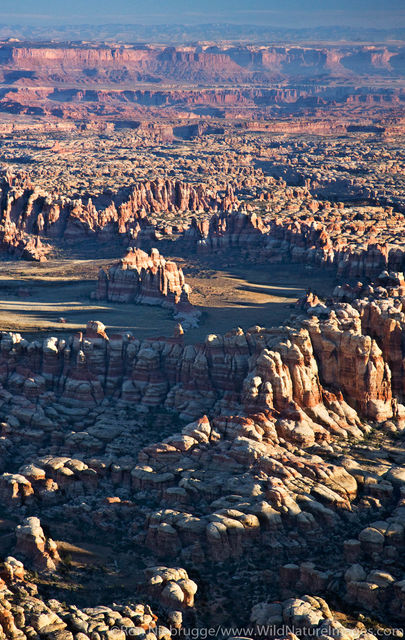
202	340
133	85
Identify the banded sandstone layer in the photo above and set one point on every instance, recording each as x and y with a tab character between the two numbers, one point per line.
215	62
93	85
28	213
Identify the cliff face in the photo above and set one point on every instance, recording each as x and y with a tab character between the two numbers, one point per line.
213	63
103	85
53	100
263	370
365	312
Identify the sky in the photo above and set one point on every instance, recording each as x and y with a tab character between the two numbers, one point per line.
283	13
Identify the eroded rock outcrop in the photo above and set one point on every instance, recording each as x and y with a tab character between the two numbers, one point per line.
28	212
143	278
32	544
257	476
354	244
25	613
172	588
305	617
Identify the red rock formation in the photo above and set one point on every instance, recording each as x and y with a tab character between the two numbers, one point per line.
22	245
259	369
354	364
339	241
27	213
247	478
145	279
40	551
207	63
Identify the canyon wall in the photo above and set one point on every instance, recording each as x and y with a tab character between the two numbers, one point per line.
203	63
262	370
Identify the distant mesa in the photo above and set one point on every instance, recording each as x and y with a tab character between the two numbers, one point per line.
102	87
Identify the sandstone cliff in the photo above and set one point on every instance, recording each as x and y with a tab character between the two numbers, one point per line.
202	63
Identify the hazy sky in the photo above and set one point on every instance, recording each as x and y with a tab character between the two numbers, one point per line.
291	13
